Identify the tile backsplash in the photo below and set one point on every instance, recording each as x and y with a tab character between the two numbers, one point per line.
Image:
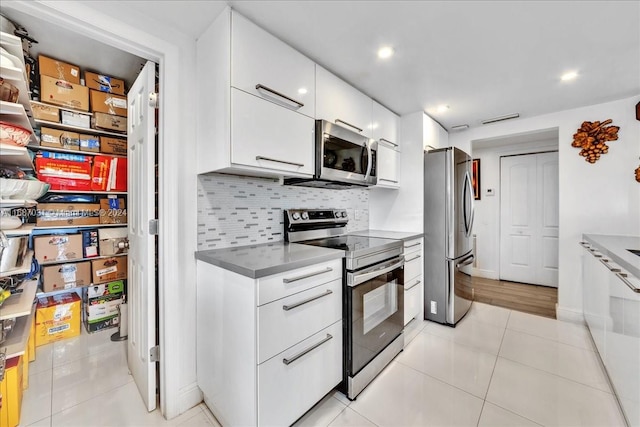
238	210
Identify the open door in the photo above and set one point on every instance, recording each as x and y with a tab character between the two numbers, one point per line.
141	289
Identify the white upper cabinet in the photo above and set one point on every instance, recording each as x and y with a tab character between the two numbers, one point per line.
253	118
266	67
339	102
388	166
385	126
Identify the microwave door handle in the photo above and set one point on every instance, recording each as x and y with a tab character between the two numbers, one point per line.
369	161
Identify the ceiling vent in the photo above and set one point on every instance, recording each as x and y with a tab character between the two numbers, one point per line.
500	118
460	127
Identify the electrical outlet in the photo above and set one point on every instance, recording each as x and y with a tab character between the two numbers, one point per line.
434	307
357	214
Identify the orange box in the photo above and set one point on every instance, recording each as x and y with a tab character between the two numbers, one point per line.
45	112
66	276
103	83
55	214
109	122
109	145
113	211
58	318
109	269
58	69
57	138
57	247
109	103
64	93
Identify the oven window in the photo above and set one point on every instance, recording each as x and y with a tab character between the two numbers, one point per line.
344	155
378	305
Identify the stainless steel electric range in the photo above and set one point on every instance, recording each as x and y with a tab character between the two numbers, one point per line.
373	293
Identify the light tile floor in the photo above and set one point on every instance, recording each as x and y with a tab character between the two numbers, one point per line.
496	368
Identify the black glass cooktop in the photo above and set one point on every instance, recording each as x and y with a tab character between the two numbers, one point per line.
353	244
634	251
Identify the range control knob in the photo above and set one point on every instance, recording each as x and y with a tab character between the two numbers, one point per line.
344	214
295	216
305	215
337	214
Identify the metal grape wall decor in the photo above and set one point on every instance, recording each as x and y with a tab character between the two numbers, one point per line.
592	137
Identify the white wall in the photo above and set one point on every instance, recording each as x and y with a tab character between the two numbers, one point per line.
402	210
486	224
594	198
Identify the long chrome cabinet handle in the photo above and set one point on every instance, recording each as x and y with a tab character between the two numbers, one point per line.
306	276
623	277
413	286
279	161
303	352
584	245
389	142
281	95
413	246
303	302
390	180
412	259
606	263
348	124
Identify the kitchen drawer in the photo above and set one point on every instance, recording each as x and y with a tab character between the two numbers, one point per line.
280	285
412	300
286	391
282	324
412	246
412	265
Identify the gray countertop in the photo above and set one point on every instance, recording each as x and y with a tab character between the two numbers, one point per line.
257	261
384	234
615	247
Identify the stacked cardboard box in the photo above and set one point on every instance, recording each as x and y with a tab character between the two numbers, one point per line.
57	318
101	305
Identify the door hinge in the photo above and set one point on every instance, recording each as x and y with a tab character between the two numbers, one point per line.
153	99
153	227
154	354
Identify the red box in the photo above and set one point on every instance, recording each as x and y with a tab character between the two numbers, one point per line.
64	174
101	172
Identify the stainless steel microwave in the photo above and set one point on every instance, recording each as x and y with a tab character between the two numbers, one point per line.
343	159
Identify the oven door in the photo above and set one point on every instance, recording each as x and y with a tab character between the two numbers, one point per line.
344	156
374	312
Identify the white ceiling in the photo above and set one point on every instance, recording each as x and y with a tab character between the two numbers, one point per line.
482	58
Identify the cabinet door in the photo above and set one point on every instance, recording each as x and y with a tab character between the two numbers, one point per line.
281	74
384	124
388	167
338	102
269	137
412	300
595	298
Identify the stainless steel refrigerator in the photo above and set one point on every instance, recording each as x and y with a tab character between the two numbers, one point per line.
448	221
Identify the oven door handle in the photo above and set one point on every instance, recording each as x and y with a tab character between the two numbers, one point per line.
354	279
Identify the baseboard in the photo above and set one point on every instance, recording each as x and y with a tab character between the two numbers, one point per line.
569	315
189	397
485	274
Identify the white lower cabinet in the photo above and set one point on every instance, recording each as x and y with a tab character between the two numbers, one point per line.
268	349
412	300
413	289
294	380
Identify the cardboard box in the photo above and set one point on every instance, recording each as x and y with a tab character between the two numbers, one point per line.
75	119
89	143
64	93
66	276
110	239
100	173
109	145
64	171
57	318
101	305
58	69
32	340
108	103
109	269
11	389
103	292
109	122
58	247
57	138
100	324
103	83
56	214
89	243
45	112
113	211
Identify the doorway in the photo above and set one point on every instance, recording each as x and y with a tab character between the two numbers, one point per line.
529	218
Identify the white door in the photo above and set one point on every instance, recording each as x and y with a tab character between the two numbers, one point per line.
529	219
141	197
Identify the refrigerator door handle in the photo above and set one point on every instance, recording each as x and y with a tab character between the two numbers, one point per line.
465	261
465	195
472	205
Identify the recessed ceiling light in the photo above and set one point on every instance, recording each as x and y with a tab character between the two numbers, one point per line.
442	108
569	76
302	91
385	52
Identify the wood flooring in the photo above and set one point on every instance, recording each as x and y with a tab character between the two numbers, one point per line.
534	299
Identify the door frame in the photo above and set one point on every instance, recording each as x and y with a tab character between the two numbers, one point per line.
171	59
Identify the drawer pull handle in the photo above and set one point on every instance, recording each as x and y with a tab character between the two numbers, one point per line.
412	246
606	263
303	352
349	124
306	276
279	161
584	245
413	286
623	277
389	180
412	259
281	95
303	302
389	142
